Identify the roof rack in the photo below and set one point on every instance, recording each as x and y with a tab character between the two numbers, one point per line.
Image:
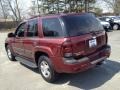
47	14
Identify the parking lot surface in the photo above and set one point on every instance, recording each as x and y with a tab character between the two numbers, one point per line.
15	76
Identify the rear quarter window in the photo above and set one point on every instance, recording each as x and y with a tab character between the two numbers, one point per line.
52	27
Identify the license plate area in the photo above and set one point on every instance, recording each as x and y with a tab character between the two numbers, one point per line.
93	42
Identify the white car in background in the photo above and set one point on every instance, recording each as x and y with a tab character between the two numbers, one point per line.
106	25
113	20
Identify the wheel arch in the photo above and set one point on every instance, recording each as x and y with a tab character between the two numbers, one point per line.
38	54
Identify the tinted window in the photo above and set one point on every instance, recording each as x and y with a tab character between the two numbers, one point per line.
52	27
81	24
20	30
32	28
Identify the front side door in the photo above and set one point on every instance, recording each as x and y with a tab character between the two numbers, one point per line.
18	41
31	39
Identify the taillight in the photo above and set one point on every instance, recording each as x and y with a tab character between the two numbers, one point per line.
67	49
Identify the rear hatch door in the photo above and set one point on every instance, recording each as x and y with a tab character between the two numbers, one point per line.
89	43
86	33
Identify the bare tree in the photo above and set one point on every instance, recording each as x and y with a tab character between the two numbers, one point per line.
14	8
114	5
18	10
38	7
4	9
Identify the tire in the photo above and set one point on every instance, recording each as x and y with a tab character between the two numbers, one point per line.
115	27
100	63
46	69
9	54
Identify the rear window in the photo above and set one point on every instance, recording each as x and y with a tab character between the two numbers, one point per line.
52	27
81	24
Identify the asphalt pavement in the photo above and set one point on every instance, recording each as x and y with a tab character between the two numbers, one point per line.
15	76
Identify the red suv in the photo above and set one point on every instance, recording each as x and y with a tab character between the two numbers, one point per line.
64	43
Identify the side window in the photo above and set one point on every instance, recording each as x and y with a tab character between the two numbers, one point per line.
52	27
20	30
32	28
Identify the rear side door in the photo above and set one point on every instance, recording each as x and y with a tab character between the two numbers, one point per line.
31	40
18	41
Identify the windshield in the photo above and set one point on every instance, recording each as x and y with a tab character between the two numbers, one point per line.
81	24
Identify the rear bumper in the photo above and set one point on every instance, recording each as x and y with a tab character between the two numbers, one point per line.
85	62
75	68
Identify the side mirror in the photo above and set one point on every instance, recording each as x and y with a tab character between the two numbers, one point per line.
11	35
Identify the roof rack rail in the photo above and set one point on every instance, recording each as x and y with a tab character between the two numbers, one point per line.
47	14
